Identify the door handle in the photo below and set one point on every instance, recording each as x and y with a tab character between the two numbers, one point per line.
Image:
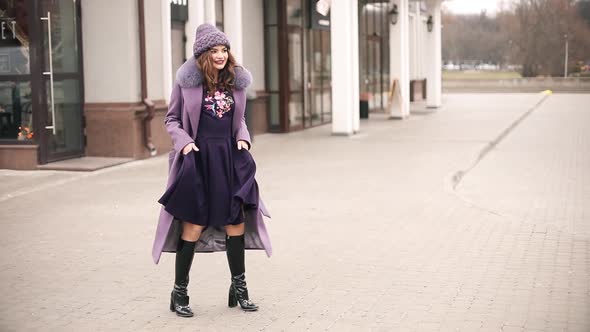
50	72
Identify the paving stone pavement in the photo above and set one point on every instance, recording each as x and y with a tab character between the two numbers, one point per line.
368	232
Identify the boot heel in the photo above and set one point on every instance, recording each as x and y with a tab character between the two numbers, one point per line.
172	303
232	301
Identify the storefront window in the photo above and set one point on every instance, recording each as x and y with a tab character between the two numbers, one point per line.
374	53
297	65
294	13
274	110
272	72
270	12
16	116
295	47
16	113
318	89
272	59
178	18
295	60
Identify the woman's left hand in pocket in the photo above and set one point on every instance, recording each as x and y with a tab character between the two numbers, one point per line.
243	145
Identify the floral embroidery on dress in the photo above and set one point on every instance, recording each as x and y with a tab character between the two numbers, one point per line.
219	104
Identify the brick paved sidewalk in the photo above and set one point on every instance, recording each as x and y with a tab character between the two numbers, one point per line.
367	233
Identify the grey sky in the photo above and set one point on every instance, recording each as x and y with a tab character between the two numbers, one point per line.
474	6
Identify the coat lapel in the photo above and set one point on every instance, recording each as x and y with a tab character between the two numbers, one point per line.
192	106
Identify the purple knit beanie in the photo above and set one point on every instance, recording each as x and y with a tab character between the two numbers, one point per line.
208	36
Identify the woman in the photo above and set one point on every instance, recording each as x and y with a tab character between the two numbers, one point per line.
212	201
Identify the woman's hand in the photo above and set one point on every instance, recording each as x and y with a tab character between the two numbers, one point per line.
242	145
188	148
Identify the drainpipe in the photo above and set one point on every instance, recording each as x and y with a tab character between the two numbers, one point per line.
150	107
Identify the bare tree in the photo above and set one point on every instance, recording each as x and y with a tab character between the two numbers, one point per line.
472	38
540	33
531	33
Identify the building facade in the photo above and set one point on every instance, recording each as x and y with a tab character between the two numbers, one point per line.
92	78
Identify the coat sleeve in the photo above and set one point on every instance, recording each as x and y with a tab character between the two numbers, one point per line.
173	121
243	134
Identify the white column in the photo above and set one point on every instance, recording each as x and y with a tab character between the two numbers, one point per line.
400	60
196	17
423	46
434	62
356	115
418	43
345	70
209	11
232	21
412	24
166	49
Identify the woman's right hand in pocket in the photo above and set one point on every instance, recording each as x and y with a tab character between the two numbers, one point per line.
188	148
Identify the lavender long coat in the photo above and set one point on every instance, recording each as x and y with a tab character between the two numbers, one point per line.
182	122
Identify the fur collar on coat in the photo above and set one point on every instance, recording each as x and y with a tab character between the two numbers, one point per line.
189	76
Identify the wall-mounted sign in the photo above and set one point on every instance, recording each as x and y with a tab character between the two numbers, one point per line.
7	28
317	20
179	10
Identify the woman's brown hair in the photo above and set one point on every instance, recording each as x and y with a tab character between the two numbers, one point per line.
226	77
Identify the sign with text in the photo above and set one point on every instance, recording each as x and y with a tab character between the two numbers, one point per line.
8	28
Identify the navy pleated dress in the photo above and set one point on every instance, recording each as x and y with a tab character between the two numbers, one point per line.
216	184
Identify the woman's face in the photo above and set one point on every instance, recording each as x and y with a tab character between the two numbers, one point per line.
219	56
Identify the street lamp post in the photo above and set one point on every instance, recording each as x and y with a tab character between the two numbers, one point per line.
509	57
566	56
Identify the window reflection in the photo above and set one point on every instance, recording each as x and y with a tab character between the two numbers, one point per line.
272	59
68	136
294	12
295	61
16	114
64	38
374	53
296	110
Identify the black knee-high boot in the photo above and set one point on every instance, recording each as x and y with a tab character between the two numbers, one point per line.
179	298
238	293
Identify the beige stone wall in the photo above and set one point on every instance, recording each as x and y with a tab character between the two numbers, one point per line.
112	76
253	45
111	51
154	49
22	157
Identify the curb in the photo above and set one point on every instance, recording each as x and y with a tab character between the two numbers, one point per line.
455	178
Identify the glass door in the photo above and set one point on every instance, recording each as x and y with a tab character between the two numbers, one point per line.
295	24
374	53
319	81
61	88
